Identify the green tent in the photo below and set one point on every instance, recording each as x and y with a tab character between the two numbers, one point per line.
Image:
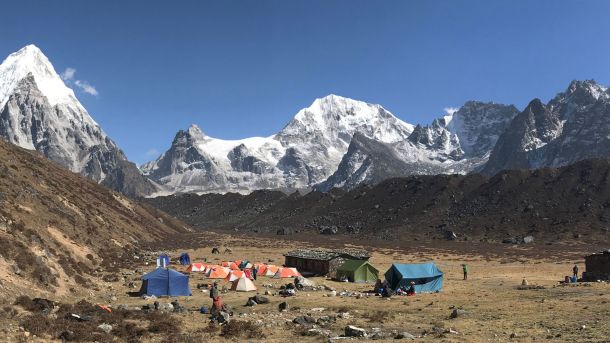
358	271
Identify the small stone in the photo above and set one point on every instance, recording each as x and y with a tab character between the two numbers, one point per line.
457	313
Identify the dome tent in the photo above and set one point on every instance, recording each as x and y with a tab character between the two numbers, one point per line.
357	271
165	282
426	276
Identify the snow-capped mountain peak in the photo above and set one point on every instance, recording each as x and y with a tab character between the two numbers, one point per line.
31	60
39	112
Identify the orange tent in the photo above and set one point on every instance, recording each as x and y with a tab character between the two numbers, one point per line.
217	272
196	267
234	275
271	270
234	266
225	264
262	269
287	273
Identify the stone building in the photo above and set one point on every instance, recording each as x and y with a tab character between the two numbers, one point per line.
597	266
322	262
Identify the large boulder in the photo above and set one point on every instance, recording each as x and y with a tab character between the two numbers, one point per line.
353	331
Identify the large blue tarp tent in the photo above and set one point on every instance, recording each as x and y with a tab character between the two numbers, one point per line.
427	277
165	282
185	259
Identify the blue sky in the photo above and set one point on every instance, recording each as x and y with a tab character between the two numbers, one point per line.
245	68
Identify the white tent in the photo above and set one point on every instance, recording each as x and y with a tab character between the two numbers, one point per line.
243	284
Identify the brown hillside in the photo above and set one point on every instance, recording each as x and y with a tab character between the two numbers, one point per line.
58	228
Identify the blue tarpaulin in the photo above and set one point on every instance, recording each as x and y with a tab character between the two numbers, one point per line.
165	282
185	259
427	277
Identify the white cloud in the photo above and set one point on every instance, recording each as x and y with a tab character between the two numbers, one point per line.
68	77
68	74
152	152
86	87
450	110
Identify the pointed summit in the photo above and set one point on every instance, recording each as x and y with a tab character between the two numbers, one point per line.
31	60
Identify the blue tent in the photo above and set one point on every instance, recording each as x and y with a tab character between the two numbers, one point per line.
165	282
427	277
185	259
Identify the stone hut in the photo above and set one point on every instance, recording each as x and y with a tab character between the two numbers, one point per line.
597	266
322	262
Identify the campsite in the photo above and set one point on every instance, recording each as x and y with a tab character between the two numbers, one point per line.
480	309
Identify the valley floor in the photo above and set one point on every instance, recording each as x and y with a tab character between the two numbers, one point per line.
497	310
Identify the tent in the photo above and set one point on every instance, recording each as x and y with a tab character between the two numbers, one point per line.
217	272
271	270
196	267
427	276
165	282
286	273
243	285
225	264
357	271
234	266
163	260
234	275
261	269
185	259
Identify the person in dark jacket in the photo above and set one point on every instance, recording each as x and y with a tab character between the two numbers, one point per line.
575	271
254	272
216	301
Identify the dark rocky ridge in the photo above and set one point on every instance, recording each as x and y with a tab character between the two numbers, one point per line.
550	204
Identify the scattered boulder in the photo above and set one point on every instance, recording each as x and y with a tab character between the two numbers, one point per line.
304	320
528	239
458	313
328	230
251	302
353	331
404	335
283	306
318	332
105	327
259	299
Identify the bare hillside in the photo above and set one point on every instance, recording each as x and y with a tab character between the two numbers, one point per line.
58	228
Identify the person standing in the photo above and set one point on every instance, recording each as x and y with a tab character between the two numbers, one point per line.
465	268
216	302
254	272
575	271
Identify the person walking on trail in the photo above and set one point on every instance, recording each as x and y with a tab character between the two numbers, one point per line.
465	267
575	271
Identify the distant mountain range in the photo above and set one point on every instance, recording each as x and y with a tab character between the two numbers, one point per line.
335	142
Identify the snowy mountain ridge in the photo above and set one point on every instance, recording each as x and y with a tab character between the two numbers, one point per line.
39	112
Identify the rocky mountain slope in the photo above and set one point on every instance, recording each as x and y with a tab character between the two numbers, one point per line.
550	204
317	149
573	126
39	112
304	153
57	228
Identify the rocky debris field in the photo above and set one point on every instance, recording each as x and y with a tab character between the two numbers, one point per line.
515	207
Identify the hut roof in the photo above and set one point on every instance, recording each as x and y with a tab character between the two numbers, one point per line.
326	255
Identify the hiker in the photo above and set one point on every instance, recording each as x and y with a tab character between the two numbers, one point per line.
216	301
411	290
254	272
575	271
465	267
378	286
215	250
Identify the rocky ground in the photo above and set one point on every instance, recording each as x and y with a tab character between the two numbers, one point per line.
491	306
551	205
